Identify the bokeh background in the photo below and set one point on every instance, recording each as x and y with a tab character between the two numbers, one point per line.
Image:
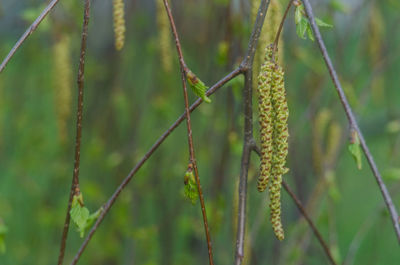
132	97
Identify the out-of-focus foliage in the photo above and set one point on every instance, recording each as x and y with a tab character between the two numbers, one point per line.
131	97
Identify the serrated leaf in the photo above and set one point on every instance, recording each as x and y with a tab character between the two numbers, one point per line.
190	190
79	215
355	151
310	32
198	87
321	23
302	27
298	14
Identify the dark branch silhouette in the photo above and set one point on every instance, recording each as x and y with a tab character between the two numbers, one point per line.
27	33
75	179
352	120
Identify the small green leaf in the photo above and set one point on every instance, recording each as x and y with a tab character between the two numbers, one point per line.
190	190
321	23
354	148
302	27
81	216
298	14
310	32
198	87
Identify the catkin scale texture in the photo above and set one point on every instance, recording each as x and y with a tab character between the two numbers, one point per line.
119	23
274	133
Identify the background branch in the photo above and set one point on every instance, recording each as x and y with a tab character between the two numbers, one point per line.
27	33
75	179
352	120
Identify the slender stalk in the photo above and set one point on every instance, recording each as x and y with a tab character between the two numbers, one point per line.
75	179
352	120
27	33
146	156
278	34
310	222
189	131
248	130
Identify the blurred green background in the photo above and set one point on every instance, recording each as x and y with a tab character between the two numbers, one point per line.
132	97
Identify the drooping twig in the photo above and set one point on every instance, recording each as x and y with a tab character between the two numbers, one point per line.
352	120
310	223
303	211
27	33
75	179
148	154
189	130
248	141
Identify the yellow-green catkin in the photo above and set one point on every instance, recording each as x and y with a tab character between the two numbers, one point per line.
164	37
62	83
265	120
119	23
273	120
280	149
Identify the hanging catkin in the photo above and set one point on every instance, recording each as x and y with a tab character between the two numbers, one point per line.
164	37
274	133
62	83
119	23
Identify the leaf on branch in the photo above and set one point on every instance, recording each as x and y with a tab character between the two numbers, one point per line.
354	148
190	190
198	87
81	216
303	25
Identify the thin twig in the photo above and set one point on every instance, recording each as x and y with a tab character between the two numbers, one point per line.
278	34
27	33
75	179
310	223
248	130
189	131
352	120
148	154
303	211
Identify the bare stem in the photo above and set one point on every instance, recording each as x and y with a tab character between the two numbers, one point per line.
278	34
75	179
27	33
248	130
352	120
189	131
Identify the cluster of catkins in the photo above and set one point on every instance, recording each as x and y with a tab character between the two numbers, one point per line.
119	23
273	119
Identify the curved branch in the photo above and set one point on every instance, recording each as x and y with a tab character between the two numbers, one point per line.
352	120
28	32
